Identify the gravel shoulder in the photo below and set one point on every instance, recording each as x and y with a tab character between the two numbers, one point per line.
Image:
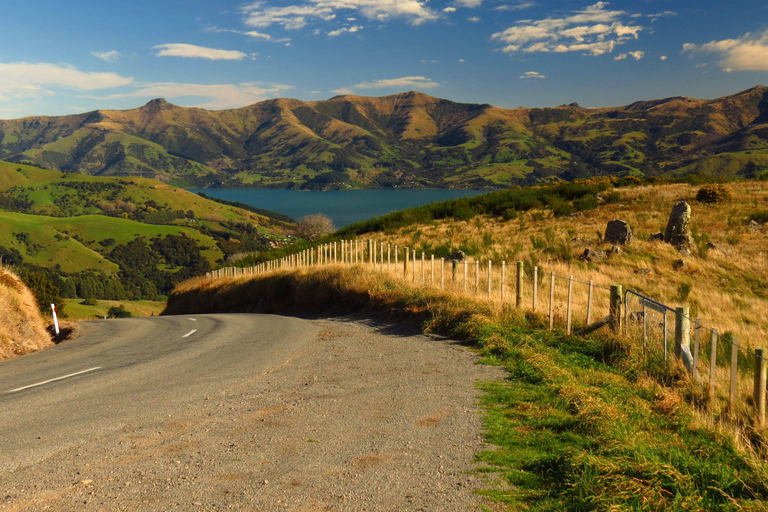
368	417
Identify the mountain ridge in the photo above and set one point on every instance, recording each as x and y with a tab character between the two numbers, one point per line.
408	139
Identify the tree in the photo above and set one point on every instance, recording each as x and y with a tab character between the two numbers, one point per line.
314	226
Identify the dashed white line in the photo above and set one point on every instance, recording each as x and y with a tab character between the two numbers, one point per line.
193	319
190	333
54	380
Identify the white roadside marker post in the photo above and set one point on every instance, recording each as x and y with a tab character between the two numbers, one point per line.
55	320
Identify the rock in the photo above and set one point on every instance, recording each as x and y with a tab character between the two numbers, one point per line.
615	250
754	225
577	240
618	232
574	215
458	256
678	227
643	271
677	265
590	255
658	237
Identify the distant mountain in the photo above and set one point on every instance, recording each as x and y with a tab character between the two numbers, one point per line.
404	140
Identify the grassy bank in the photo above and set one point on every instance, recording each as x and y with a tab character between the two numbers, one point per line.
22	328
578	425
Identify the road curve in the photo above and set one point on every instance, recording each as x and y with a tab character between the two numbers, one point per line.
121	371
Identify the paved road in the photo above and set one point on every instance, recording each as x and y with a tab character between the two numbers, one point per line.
242	412
131	369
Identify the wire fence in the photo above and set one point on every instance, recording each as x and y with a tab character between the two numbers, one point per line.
732	377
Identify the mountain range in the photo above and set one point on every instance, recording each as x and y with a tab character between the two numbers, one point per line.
406	140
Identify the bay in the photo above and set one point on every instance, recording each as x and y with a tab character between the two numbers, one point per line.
342	207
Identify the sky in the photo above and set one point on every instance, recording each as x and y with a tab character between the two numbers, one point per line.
66	57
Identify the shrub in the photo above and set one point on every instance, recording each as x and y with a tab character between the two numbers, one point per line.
714	193
90	301
118	312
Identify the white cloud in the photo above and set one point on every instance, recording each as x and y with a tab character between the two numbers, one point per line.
664	14
449	9
110	56
473	19
621	56
637	55
216	96
24	80
266	37
406	81
343	91
197	52
462	60
663	57
258	14
746	53
469	3
532	74
517	7
593	30
351	30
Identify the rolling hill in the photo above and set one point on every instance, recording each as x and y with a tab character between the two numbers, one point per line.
404	140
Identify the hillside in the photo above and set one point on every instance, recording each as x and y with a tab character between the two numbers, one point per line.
22	329
405	140
118	238
603	421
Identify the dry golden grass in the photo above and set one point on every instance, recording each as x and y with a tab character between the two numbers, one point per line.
22	329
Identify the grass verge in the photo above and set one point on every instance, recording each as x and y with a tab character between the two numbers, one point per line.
577	425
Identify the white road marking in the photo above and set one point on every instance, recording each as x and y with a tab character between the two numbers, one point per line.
190	333
193	319
54	380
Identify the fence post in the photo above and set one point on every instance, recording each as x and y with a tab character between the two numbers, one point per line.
477	277
442	273
761	371
413	267
406	254
432	270
465	275
535	287
615	308
696	346
389	257
734	377
423	275
490	286
519	291
589	301
396	264
712	364
503	279
569	309
683	335
552	300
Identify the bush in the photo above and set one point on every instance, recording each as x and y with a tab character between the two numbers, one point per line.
314	226
90	301
714	193
118	312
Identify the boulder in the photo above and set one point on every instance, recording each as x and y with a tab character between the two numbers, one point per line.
677	265
590	255
618	232
678	227
643	271
658	237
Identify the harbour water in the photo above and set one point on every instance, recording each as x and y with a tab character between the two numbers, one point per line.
343	207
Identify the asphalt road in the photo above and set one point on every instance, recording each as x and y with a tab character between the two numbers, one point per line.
123	371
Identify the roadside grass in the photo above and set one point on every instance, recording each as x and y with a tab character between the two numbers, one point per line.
579	424
77	311
22	328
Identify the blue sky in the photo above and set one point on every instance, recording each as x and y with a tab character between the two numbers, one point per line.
68	57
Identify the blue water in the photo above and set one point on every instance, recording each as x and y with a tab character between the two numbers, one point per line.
343	207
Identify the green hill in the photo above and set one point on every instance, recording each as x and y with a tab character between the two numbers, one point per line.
404	140
118	238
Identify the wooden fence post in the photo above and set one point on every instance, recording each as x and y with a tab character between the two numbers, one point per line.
477	277
519	291
432	270
682	332
406	254
696	346
589	301
761	372
442	273
552	301
465	275
535	287
734	378
503	279
413	267
615	307
423	275
490	286
712	364
569	315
